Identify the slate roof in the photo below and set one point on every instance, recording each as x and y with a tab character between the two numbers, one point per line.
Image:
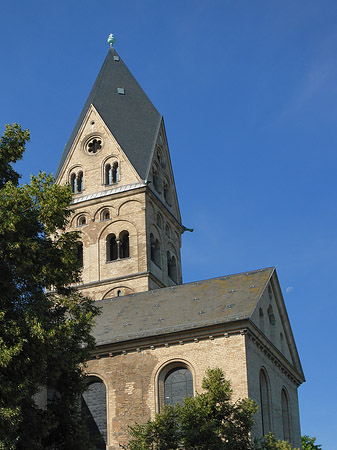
131	118
180	308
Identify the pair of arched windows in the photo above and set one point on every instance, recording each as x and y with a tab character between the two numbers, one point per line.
117	248
76	182
111	173
265	408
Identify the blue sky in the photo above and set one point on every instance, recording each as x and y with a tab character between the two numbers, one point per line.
248	90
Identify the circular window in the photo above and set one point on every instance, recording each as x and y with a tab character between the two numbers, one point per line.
93	145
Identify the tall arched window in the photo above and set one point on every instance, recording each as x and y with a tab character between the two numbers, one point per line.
80	182
115	172
155	250
108	174
265	403
285	416
124	251
111	248
73	183
155	178
172	267
167	193
93	409
271	322
282	342
80	253
261	320
159	221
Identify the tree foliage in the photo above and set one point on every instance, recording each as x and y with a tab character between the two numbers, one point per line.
269	442
44	324
208	421
308	443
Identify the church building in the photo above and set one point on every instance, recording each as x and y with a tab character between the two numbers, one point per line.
156	337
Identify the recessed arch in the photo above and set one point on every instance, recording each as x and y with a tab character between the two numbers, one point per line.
94	410
134	205
98	212
169	369
285	405
265	402
111	293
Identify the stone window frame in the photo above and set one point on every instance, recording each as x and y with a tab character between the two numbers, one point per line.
160	376
103	213
90	137
76	179
111	160
82	220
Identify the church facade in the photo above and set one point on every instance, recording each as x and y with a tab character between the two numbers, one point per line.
156	337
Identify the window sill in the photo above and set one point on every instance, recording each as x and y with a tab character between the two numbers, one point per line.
118	259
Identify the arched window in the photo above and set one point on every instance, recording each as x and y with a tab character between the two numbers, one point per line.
271	322
285	416
155	250
80	182
119	293
93	409
159	221
261	320
270	293
105	215
111	248
80	253
178	384
124	244
73	183
155	178
160	158
265	403
168	230
108	174
172	267
167	193
115	172
282	342
81	221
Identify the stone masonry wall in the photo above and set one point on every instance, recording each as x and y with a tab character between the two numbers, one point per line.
132	379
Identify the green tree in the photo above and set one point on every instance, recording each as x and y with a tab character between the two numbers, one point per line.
208	421
308	443
44	324
269	442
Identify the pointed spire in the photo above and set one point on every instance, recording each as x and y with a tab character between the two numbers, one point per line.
125	109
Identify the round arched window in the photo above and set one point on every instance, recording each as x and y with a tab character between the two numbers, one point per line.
178	384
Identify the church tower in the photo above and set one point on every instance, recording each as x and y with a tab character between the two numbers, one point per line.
125	204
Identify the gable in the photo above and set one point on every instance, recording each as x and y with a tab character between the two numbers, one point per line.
125	109
160	174
93	149
270	316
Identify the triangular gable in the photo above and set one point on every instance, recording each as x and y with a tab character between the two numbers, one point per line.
271	317
126	110
161	159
